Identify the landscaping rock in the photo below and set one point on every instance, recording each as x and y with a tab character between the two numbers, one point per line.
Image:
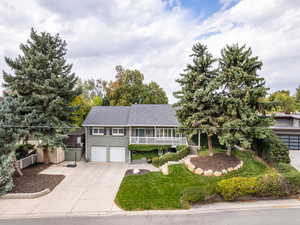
198	171
230	169
191	167
217	173
165	170
224	171
136	171
208	173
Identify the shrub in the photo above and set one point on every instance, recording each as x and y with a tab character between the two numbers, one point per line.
6	173
172	156
191	195
233	188
272	149
148	148
291	175
148	155
271	184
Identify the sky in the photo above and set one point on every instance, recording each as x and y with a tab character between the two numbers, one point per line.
156	36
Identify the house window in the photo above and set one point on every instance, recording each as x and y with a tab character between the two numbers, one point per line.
118	131
98	131
78	140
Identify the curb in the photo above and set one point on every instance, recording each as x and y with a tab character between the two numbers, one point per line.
25	195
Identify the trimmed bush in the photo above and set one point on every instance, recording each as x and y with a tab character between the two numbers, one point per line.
6	173
191	195
271	184
272	149
181	152
136	155
233	188
148	148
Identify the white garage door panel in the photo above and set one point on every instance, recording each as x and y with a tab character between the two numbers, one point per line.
98	154
117	154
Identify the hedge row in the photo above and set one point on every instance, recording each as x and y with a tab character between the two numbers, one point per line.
148	148
181	152
269	185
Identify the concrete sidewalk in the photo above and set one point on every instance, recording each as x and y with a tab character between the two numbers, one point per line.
209	208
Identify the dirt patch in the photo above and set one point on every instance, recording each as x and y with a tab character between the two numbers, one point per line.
217	162
33	182
130	172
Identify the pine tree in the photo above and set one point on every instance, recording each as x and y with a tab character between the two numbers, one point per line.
242	90
43	82
10	113
197	99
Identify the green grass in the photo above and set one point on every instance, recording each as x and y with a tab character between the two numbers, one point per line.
156	191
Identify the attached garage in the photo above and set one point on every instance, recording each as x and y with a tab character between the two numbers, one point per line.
99	153
117	154
108	154
292	141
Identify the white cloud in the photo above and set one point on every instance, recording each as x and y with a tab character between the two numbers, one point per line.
156	36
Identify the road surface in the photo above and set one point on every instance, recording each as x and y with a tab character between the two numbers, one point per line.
279	216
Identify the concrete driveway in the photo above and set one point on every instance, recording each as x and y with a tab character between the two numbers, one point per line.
90	187
295	159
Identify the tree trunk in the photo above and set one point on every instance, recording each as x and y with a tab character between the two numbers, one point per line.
210	147
228	152
46	155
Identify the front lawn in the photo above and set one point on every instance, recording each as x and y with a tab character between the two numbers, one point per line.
156	191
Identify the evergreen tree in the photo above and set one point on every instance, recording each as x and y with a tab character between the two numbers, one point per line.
198	97
43	82
10	113
243	116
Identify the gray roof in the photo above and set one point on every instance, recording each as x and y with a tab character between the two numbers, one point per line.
135	115
107	116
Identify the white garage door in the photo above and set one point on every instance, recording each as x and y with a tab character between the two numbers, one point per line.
98	153
117	154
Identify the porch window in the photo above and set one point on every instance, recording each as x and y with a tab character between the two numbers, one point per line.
118	131
98	131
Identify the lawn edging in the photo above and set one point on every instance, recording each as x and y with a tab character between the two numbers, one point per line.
26	195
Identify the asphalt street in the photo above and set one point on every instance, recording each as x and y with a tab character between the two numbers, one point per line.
275	216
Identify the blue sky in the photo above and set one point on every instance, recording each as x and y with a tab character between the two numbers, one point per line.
202	7
145	35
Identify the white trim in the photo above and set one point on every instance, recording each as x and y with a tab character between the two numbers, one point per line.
98	133
118	131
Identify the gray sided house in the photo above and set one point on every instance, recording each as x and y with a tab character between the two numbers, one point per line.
110	129
287	127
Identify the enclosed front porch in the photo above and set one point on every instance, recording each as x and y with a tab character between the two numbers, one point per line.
156	136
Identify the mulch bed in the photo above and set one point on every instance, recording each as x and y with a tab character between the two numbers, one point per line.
130	172
33	182
217	162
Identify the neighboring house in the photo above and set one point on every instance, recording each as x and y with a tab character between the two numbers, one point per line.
110	129
287	127
75	145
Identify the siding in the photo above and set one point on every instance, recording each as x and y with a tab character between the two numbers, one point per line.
106	140
283	122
